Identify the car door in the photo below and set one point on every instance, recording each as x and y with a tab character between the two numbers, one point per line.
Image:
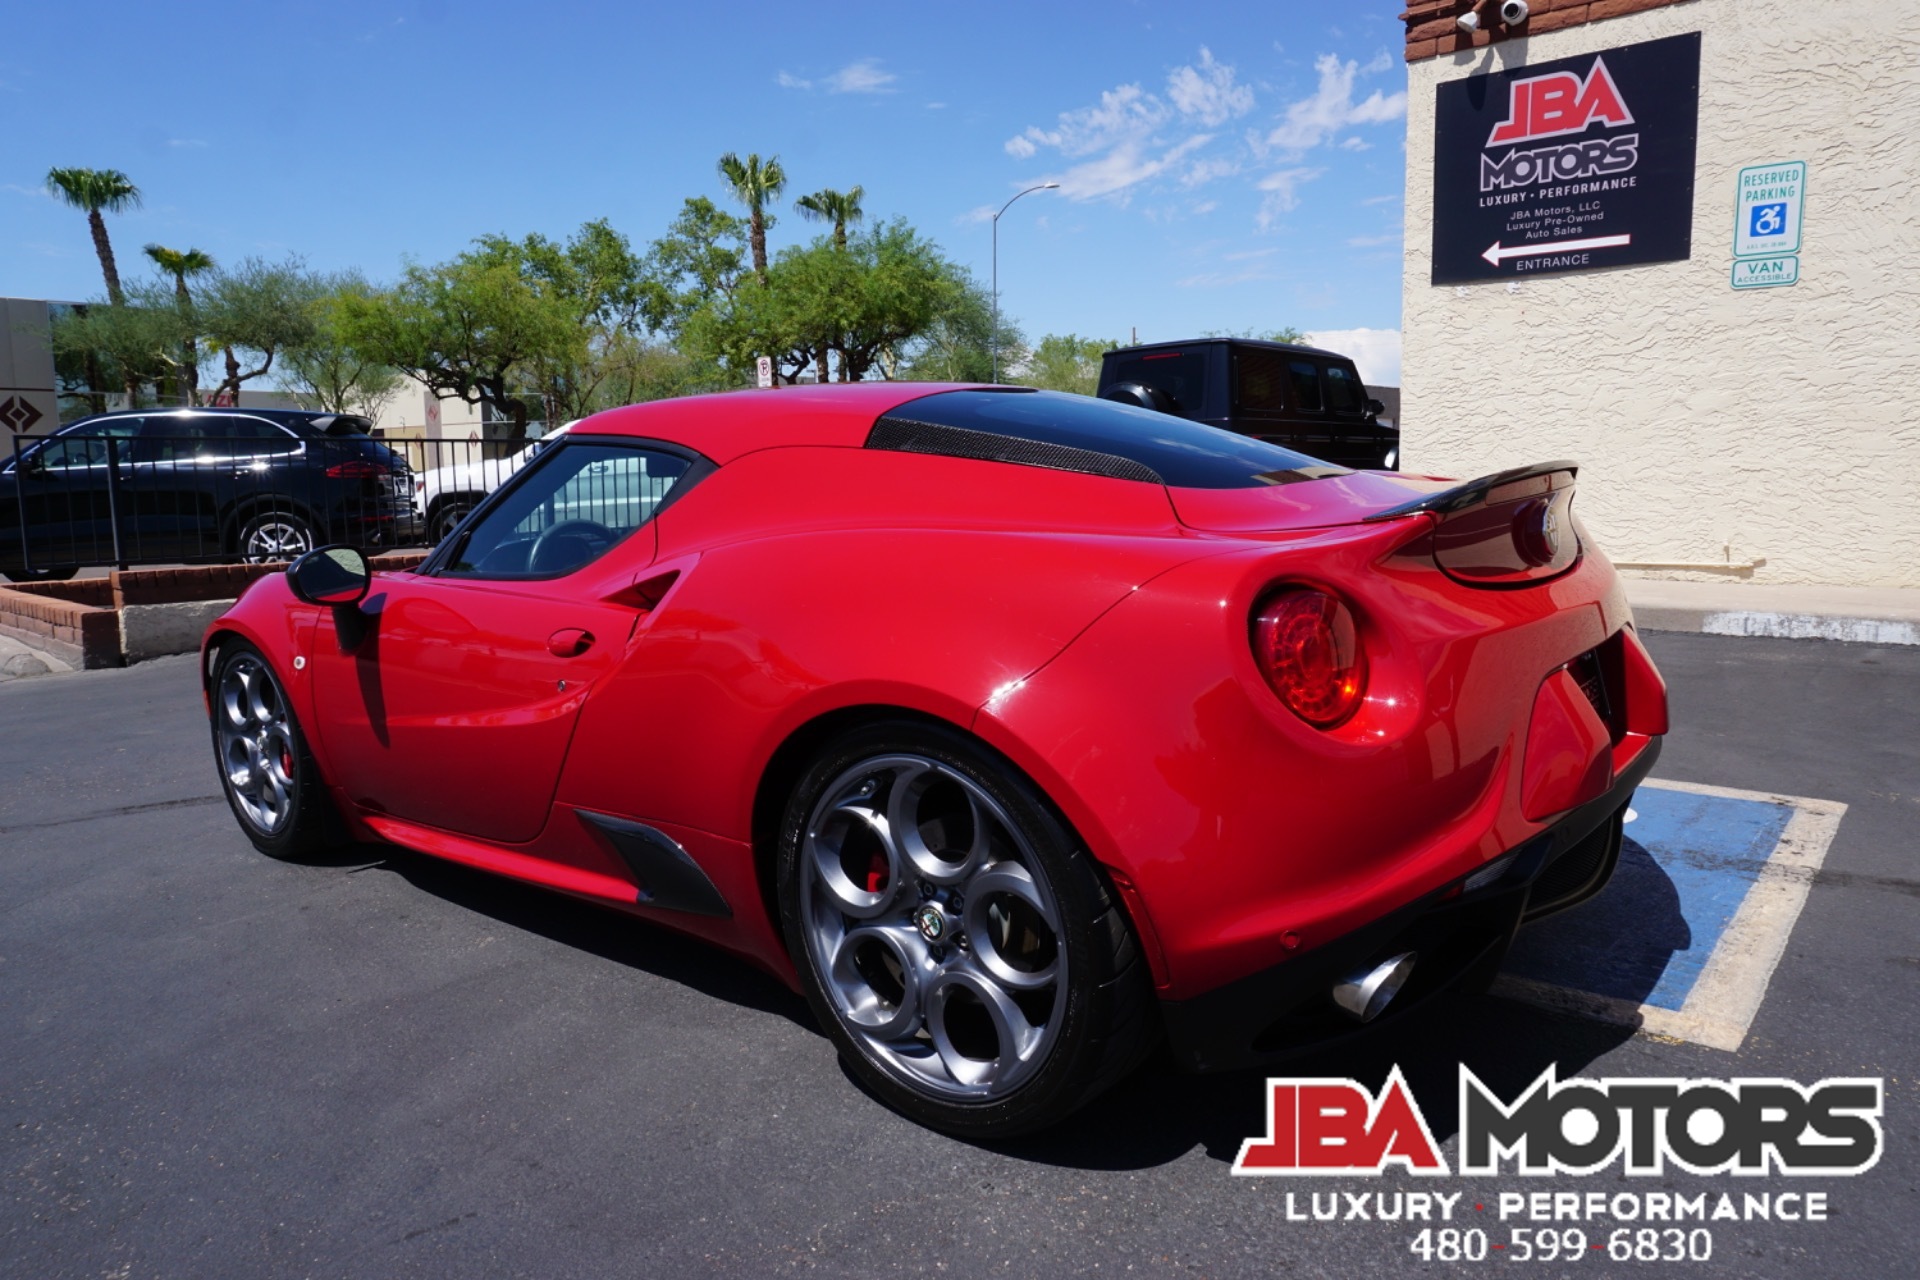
456	707
64	495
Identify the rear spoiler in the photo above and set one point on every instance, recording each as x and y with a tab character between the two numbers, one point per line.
1475	492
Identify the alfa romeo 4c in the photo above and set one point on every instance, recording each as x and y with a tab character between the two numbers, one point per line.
1019	731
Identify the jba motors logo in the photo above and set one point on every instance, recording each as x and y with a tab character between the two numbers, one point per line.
1560	104
1576	1126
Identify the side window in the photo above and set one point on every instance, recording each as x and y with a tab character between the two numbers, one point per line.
170	438
576	503
1305	376
86	446
1260	381
1344	392
249	438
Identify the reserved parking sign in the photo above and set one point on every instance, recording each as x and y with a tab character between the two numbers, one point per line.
1767	216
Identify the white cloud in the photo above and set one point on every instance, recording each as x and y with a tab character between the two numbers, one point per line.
1130	135
17	189
1207	91
936	106
1371	200
1373	242
1204	208
1123	115
1376	352
864	76
1354	142
1125	165
1283	193
1323	116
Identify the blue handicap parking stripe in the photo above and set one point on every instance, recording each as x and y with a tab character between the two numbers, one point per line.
1686	866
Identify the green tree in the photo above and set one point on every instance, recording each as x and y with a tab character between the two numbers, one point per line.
698	263
182	264
1066	362
755	183
97	192
467	328
138	342
258	308
956	346
869	303
328	372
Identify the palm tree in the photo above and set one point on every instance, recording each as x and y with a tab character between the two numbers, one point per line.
755	182
97	191
838	207
181	263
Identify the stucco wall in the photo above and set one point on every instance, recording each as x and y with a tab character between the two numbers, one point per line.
1713	425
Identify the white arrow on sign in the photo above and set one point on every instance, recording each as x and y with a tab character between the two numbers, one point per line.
1496	255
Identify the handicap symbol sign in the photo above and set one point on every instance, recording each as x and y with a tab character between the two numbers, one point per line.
1768	220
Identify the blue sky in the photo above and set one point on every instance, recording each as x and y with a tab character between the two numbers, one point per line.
1224	166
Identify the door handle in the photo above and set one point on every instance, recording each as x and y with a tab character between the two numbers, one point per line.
569	642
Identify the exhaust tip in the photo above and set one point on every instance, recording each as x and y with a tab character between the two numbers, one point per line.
1365	994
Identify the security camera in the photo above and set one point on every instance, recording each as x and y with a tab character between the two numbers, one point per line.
1513	12
1468	22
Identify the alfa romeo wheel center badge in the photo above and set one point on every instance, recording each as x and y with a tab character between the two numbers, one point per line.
930	921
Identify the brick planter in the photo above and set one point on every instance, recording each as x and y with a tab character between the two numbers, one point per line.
134	614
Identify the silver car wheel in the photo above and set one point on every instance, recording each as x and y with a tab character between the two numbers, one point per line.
274	538
936	937
257	752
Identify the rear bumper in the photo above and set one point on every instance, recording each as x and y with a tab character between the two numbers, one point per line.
1461	938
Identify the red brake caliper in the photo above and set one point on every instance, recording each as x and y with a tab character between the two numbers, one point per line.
877	872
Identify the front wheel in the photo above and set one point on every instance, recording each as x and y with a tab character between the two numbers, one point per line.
273	536
266	770
954	938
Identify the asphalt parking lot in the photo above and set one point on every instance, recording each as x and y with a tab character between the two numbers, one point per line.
213	1064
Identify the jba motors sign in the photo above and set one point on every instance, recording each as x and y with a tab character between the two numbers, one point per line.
1567	166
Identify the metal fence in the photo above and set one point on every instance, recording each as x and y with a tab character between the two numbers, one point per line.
232	490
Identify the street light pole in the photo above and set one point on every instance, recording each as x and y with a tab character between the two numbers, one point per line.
993	335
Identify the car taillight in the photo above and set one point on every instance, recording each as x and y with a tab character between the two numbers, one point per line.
1308	647
356	470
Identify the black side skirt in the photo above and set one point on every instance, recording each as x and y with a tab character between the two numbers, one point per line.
669	878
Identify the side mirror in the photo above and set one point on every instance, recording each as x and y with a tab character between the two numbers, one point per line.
1374	406
337	576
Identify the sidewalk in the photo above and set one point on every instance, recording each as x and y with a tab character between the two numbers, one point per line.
1863	615
19	659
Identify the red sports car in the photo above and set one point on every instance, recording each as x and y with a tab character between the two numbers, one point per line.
1017	730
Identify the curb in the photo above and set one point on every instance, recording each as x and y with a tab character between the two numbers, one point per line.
1778	626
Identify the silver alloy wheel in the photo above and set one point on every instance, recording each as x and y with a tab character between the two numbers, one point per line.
257	752
272	538
937	944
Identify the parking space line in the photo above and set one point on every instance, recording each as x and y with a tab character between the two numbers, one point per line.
1722	1001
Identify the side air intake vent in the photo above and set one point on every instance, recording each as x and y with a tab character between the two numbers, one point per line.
904	435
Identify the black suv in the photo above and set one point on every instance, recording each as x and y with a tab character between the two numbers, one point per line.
166	485
1309	400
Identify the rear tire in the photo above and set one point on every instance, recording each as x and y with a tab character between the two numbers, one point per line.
954	938
269	776
445	517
